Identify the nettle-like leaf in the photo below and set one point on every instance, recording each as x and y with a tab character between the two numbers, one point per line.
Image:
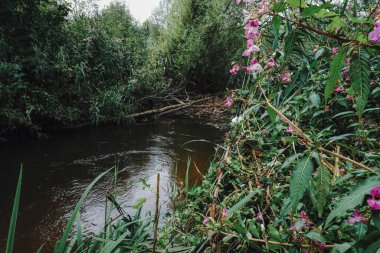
290	41
299	181
334	73
297	3
353	199
360	79
322	182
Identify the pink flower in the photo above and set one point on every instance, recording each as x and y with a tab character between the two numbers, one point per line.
349	98
289	130
251	29
235	69
272	63
345	71
229	102
374	36
286	77
356	218
224	212
373	82
375	191
374	203
315	49
255	67
338	89
238	1
206	219
251	49
334	51
259	216
348	61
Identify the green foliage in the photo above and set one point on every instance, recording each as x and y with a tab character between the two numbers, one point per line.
353	199
334	74
300	180
321	188
360	79
13	221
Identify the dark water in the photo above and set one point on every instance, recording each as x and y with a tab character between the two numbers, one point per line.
58	169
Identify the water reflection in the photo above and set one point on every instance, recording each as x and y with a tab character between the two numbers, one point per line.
59	168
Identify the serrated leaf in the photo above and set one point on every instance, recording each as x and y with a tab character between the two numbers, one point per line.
297	3
290	41
334	73
336	22
315	236
360	79
299	180
322	182
279	7
310	11
353	199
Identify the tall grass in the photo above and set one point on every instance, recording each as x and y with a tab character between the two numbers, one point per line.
12	225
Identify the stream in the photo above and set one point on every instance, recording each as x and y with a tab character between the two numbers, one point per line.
58	168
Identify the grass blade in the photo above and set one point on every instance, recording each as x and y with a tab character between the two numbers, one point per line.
12	226
61	244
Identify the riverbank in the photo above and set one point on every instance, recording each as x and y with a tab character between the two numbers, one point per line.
59	168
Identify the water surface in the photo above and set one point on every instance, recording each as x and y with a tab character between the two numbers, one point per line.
58	168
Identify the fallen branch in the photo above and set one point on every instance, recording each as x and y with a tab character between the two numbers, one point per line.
163	109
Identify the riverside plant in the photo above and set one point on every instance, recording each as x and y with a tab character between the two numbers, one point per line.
300	168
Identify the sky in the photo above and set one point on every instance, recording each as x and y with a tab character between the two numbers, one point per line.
140	9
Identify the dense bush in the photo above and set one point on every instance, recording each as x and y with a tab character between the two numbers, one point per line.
299	170
63	64
197	42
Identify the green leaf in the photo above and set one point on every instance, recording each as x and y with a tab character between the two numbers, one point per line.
297	3
274	235
242	202
360	230
336	22
310	11
315	99
325	14
334	74
272	114
12	225
279	7
276	22
322	182
353	199
290	41
315	236
61	244
376	220
299	180
360	79
341	248
139	202
374	247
